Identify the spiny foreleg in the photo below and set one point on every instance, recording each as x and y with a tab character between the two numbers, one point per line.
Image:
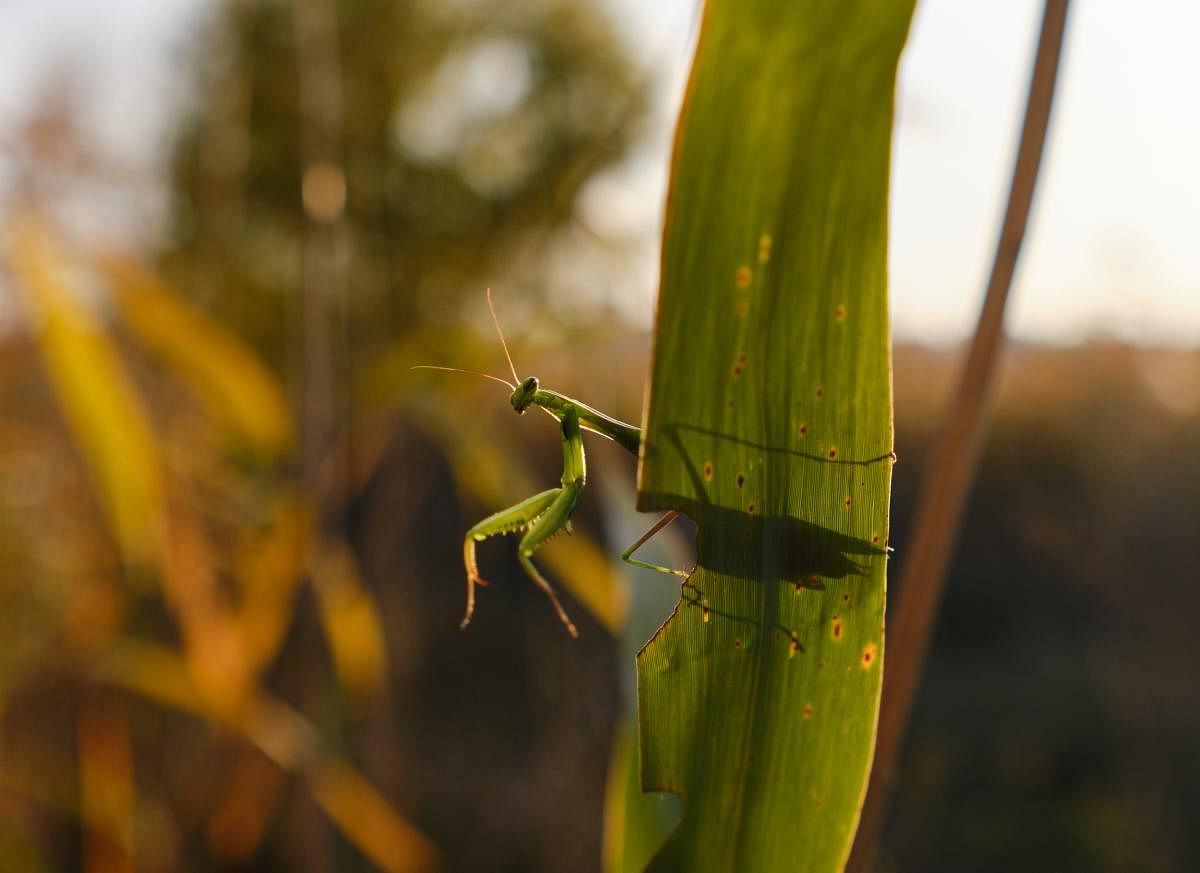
515	518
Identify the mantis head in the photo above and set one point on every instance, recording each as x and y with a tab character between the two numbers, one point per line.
522	397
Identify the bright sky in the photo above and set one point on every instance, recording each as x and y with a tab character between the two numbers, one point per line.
1113	247
1114	244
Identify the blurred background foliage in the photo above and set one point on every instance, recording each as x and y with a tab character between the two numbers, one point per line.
456	135
231	515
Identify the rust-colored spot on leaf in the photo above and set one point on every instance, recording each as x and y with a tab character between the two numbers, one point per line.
808	710
743	276
832	453
741	307
837	627
875	538
802	430
741	479
793	645
708	471
764	248
813	581
839	312
737	644
848	501
868	656
750	509
820	392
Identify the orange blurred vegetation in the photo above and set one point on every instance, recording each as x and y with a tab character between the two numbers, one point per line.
228	547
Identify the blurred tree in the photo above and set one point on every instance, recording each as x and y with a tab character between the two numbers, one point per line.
463	134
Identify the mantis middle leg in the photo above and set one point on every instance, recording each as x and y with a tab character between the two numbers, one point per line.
627	555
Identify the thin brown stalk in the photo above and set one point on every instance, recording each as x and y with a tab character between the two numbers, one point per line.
952	464
318	74
318	79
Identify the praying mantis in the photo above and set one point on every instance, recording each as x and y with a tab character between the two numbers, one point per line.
542	516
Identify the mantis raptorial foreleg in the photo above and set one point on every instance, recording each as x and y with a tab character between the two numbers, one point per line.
540	517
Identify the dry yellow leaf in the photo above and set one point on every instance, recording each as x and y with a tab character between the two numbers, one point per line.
102	409
226	375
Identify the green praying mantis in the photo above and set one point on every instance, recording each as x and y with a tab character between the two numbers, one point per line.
542	516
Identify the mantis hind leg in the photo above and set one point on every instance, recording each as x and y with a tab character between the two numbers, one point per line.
627	555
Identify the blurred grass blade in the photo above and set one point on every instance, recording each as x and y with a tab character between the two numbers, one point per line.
225	374
286	737
212	640
106	788
237	827
18	850
635	824
269	566
369	821
588	573
91	781
769	423
100	404
351	619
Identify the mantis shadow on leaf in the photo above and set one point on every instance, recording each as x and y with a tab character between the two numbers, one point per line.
736	544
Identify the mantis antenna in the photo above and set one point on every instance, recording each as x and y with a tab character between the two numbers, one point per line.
467	372
503	344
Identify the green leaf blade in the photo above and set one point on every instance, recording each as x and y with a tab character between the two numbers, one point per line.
769	423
